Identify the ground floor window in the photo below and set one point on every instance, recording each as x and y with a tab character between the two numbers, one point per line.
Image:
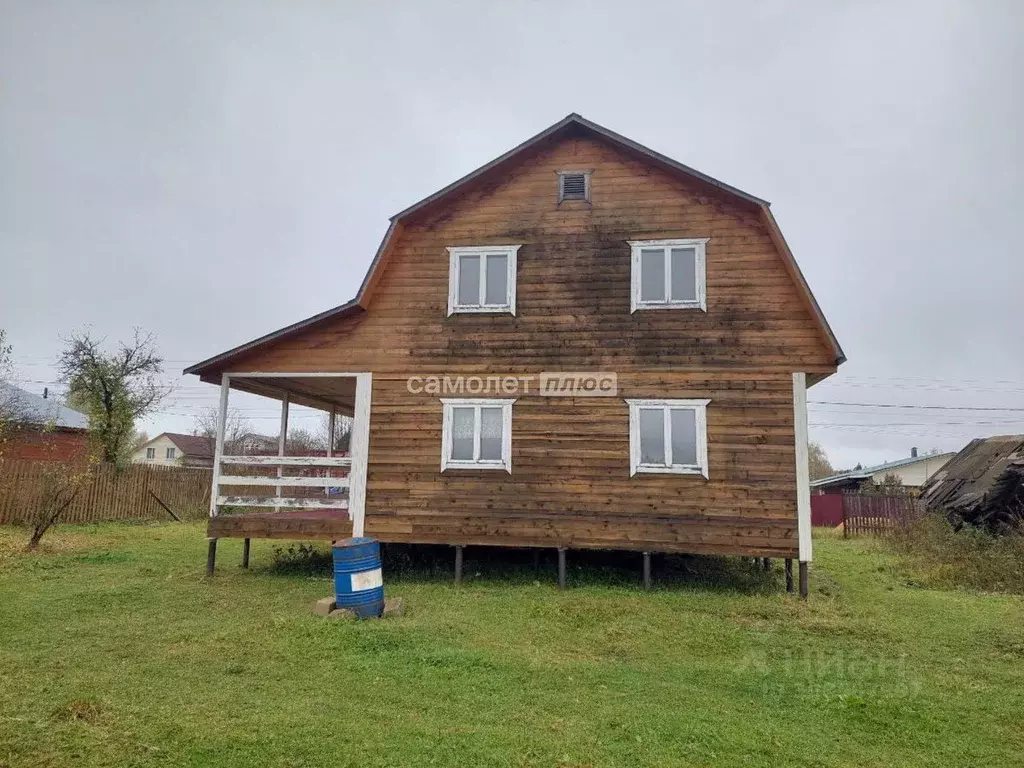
476	434
668	436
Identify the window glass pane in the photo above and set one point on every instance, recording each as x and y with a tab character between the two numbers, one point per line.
652	274
497	278
490	433
652	436
684	436
469	280
462	433
684	274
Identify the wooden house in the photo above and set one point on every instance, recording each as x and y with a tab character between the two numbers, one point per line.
581	344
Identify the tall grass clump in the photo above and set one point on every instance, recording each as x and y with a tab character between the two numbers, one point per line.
933	554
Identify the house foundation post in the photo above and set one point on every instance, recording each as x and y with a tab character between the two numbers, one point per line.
245	553
803	580
789	575
766	563
647	571
561	567
458	564
211	557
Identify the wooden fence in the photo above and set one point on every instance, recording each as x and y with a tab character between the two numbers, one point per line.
872	514
138	492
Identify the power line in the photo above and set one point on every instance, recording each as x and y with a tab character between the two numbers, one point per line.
921	407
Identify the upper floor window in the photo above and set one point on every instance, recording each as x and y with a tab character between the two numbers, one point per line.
668	436
668	274
151	453
573	185
170	453
482	279
476	434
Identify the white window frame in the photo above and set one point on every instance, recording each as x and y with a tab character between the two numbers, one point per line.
483	251
700	266
150	454
701	422
170	453
448	405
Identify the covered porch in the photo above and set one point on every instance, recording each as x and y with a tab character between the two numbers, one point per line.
287	496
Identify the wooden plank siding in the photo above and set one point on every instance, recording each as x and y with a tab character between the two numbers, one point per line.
570	483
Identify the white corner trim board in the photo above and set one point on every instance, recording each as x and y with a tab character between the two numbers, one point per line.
803	479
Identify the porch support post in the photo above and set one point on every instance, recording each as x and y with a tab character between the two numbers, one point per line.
803	481
789	574
360	449
647	571
766	563
211	556
561	567
245	553
458	564
218	451
282	441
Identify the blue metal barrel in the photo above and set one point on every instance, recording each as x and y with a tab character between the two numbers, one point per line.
358	582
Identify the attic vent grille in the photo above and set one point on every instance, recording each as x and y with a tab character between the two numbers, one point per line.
573	186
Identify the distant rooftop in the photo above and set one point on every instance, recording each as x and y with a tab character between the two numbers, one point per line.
33	409
866	472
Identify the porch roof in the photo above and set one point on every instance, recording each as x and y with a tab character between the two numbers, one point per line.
315	390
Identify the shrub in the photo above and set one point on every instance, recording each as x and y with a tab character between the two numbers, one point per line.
935	555
302	559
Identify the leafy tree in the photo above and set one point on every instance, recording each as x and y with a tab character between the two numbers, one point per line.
818	462
113	389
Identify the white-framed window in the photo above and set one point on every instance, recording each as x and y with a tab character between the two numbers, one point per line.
170	453
151	453
476	434
482	279
668	274
668	436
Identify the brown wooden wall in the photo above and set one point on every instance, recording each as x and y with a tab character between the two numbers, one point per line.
570	482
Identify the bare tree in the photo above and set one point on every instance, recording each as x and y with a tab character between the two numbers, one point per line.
113	389
236	428
818	462
302	442
58	486
342	432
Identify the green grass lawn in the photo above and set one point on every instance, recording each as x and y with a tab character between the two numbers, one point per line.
115	650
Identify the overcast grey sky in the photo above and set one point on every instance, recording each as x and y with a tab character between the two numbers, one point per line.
212	171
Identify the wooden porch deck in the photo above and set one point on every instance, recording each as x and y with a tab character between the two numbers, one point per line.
328	524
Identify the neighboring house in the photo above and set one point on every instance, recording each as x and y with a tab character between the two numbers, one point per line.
982	485
42	429
173	450
913	472
578	251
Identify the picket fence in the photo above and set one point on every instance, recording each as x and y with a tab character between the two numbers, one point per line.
867	514
137	493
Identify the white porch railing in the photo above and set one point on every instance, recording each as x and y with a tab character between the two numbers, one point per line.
284	481
354	484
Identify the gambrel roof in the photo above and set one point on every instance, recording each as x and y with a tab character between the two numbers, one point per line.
570	125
